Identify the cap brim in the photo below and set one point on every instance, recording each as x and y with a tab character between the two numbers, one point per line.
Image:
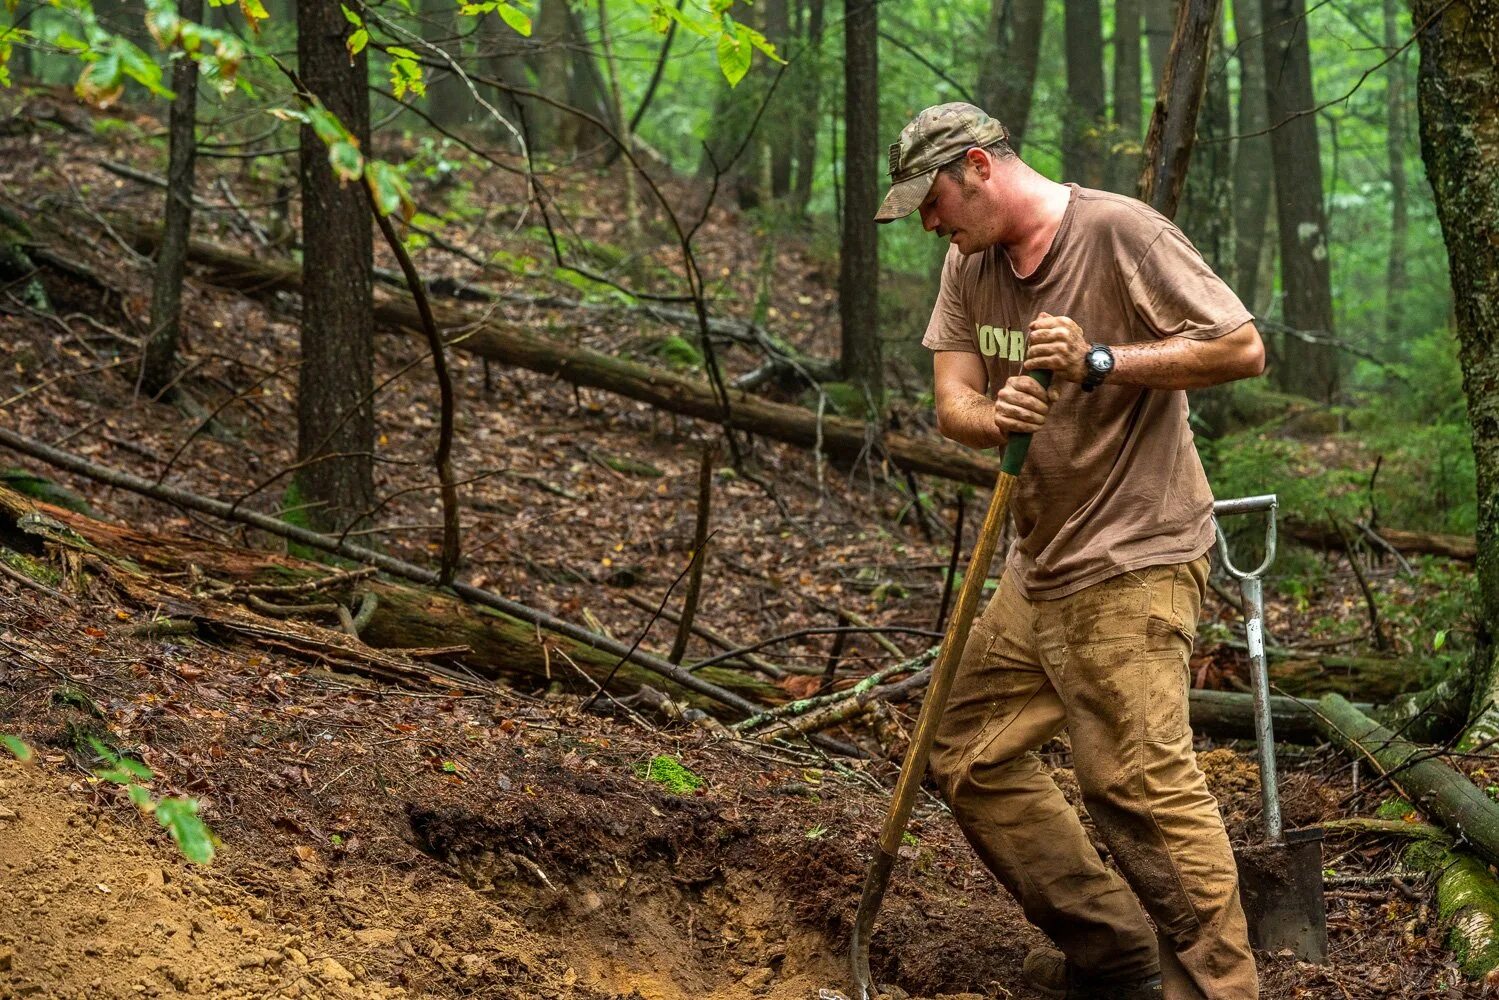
905	197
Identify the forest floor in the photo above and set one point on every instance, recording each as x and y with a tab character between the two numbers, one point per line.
388	842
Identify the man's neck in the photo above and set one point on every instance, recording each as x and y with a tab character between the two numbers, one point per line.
1037	207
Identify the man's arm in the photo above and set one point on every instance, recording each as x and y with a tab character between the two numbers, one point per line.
1058	343
967	416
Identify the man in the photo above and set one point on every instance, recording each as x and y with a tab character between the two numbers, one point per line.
1096	613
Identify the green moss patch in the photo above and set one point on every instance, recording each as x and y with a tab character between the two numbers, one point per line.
669	773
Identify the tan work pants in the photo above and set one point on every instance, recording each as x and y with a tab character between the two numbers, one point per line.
1110	663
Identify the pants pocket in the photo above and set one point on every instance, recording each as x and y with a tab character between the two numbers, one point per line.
1163	713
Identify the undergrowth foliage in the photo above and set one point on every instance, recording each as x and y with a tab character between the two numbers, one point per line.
178	815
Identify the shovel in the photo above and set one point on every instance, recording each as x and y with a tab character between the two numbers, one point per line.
913	769
1280	881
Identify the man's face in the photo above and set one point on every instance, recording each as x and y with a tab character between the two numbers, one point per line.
952	209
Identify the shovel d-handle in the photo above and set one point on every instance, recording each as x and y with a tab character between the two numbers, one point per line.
1252	589
913	768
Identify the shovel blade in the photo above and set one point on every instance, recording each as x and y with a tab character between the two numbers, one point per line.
1280	886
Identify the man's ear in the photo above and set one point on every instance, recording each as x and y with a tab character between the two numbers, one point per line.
979	161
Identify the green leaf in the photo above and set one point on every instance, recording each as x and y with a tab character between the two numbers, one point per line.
1438	641
406	75
20	750
142	69
401	53
392	193
352	17
759	41
516	18
101	83
141	796
254	12
475	9
357	41
733	55
69	42
346	159
180	818
326	126
164	25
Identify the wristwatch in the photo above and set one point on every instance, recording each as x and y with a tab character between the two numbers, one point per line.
1099	361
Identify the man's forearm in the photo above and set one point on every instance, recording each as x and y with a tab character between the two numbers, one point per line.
1182	363
969	419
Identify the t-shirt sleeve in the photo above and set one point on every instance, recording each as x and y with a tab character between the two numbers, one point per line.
950	329
1176	294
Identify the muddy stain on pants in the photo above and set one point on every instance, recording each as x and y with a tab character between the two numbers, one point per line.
1110	664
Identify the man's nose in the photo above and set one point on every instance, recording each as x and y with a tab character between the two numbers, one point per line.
928	219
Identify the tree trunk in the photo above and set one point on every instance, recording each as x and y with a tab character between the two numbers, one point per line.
1084	120
159	361
1253	170
859	264
1007	65
335	381
1435	788
504	56
448	99
1458	90
620	123
1308	369
1207	215
1160	27
737	128
1124	154
1395	137
1173	123
551	63
809	117
779	136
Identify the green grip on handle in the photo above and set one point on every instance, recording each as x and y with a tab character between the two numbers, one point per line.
1019	444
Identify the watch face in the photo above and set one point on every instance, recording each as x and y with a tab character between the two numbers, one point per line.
1100	360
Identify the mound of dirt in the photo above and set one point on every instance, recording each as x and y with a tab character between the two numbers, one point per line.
94	910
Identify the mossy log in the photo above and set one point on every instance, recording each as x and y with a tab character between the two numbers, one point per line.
1376	679
500	647
1433	787
1467	904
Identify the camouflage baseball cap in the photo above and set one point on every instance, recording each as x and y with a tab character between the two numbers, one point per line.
937	136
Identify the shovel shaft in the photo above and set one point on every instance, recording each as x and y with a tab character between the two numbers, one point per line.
913	768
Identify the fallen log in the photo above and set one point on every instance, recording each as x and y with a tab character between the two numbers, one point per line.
1428	784
509	638
1378	679
1229	715
839	437
1467	893
1430	543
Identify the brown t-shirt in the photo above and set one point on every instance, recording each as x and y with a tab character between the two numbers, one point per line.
1112	482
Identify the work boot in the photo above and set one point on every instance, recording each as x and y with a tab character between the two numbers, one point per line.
1048	970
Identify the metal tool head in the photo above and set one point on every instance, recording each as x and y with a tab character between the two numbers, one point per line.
1280	886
